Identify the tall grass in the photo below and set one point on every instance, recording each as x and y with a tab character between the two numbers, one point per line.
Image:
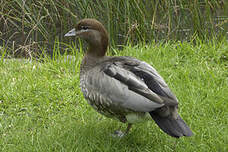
27	24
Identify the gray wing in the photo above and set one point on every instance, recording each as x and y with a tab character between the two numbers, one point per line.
130	86
158	89
154	81
102	87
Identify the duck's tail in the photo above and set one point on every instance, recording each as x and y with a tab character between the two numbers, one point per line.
173	127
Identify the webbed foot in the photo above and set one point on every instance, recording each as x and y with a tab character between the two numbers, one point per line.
118	133
121	134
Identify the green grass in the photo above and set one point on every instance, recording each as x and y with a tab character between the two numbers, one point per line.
42	108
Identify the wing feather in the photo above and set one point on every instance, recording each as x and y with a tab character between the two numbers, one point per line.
131	84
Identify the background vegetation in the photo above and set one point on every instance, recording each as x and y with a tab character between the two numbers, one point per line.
43	109
27	25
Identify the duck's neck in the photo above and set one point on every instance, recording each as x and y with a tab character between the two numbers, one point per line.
98	46
96	51
93	56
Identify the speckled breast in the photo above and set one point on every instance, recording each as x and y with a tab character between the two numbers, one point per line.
102	104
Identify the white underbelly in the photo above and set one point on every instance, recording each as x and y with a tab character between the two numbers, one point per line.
137	118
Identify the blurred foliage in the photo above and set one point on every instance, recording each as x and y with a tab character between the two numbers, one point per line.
27	25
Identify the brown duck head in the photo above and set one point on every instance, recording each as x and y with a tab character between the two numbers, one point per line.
94	33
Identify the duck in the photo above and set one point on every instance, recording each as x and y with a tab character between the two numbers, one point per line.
123	87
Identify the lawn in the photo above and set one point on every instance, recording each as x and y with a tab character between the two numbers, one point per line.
42	108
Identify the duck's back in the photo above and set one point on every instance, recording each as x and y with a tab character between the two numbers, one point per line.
117	86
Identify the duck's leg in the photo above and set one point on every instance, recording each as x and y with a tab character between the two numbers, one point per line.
129	125
120	134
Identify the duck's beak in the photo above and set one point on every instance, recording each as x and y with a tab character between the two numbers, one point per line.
71	33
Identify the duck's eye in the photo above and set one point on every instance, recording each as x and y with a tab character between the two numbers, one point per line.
84	27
